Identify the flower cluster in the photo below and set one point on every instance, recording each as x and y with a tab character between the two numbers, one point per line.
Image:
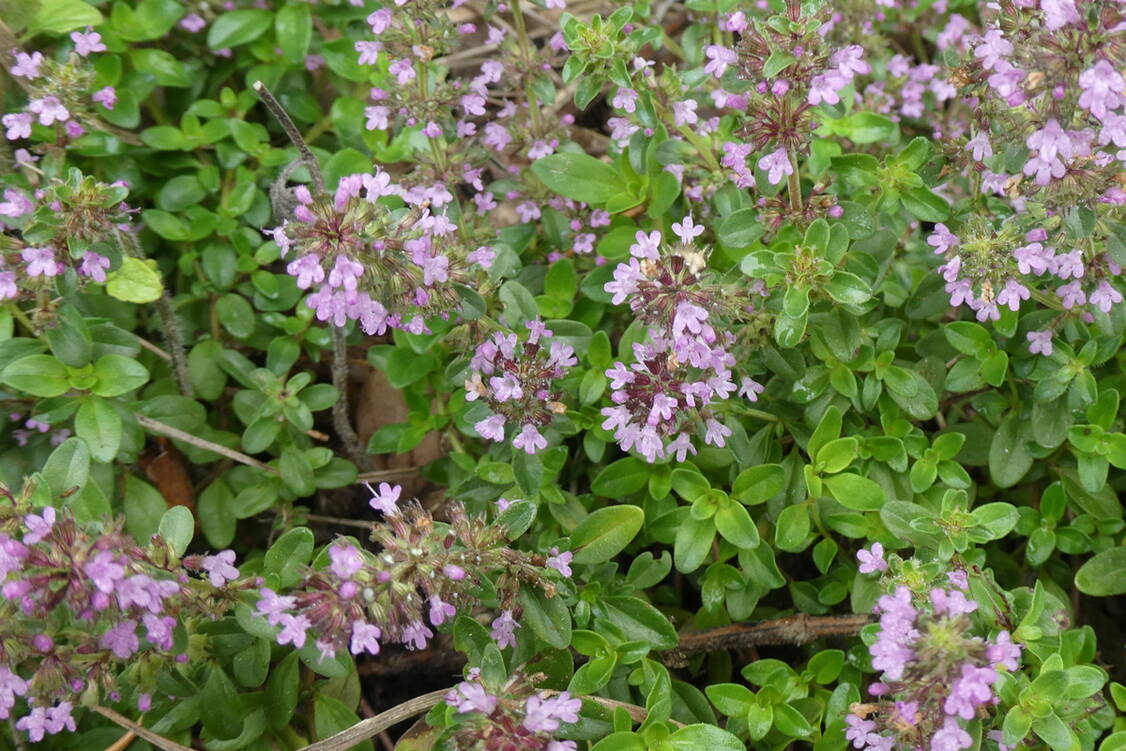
936	675
780	105
59	93
518	380
511	718
1043	84
370	263
86	612
77	225
420	577
685	368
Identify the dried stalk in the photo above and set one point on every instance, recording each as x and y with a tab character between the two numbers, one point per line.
140	731
158	427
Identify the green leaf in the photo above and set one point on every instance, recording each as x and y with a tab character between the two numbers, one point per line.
741	229
221	710
331	717
703	736
99	425
621	478
604	533
117	375
238	27
144	507
758	484
216	516
926	205
61	16
282	691
289	555
579	177
135	281
856	492
640	621
548	617
177	527
294	29
38	375
734	523
68	467
1009	458
848	288
792	528
1104	575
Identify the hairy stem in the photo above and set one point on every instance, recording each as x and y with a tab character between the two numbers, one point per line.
793	186
795	629
172	334
341	419
286	122
525	53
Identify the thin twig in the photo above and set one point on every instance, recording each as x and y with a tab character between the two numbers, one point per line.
338	521
146	344
123	742
365	729
369	728
142	732
386	474
158	427
794	629
286	122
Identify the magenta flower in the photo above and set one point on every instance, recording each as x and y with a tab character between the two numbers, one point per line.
293	630
970	690
719	58
561	562
469	696
942	239
38	526
94	265
440	610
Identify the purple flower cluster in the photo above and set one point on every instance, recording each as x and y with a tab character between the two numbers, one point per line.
518	381
59	93
685	369
418	580
509	721
935	674
366	262
1062	105
67	592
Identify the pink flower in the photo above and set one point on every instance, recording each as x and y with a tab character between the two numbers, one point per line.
18	125
719	58
346	559
220	567
49	109
872	560
561	562
504	630
530	440
27	66
385	499
121	640
686	230
88	42
369	52
365	638
777	165
942	239
440	610
38	526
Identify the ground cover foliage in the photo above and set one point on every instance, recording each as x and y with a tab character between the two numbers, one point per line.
558	375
